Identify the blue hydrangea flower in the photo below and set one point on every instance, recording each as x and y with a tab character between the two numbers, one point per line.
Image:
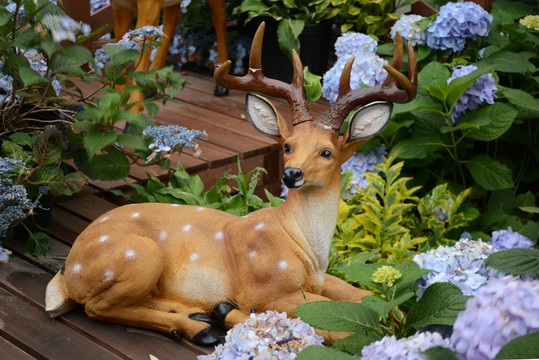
191	46
500	311
410	30
462	264
482	90
6	85
63	27
269	335
185	5
455	23
507	239
403	349
98	4
4	254
166	139
146	31
359	164
354	44
367	70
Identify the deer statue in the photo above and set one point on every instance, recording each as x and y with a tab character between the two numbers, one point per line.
181	269
148	13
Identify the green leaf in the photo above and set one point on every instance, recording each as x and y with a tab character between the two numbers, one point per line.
459	85
362	273
315	352
522	347
439	305
530	209
38	243
29	76
497	117
433	78
506	61
95	141
382	306
416	148
152	109
440	353
5	16
288	36
70	59
312	85
123	56
107	167
22	139
48	146
522	99
339	316
410	273
73	183
490	174
517	261
354	343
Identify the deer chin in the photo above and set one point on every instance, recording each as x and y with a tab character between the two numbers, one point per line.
297	185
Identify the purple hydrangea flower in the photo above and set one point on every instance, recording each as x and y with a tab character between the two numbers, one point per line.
410	30
146	31
455	23
354	44
409	348
63	27
500	311
482	90
507	239
269	335
171	137
359	164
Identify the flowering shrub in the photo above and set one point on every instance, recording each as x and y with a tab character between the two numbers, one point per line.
403	349
501	311
168	139
530	21
269	335
359	164
409	28
509	239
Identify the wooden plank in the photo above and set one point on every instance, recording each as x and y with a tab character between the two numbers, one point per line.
89	207
30	282
66	226
9	351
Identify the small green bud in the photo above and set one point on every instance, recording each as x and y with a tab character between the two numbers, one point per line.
386	275
531	21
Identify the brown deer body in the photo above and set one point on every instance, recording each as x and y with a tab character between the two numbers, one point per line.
169	267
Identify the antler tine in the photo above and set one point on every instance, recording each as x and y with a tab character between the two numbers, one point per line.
255	80
349	99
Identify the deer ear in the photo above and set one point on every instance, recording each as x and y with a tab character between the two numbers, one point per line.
265	118
369	120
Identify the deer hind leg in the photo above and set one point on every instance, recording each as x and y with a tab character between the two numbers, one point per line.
171	18
123	21
218	16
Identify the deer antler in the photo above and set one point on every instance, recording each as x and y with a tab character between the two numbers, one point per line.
349	99
255	80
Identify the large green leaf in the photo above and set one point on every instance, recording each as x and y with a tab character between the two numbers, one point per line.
459	85
30	76
506	61
70	59
417	148
410	273
440	353
517	261
522	99
433	78
4	16
288	35
38	243
522	347
95	141
107	167
354	343
490	174
314	352
383	307
439	305
339	316
48	146
499	118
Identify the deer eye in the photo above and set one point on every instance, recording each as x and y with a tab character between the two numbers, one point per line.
287	148
326	154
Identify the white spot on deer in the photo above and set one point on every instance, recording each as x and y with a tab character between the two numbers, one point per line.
175	205
135	215
103	238
253	254
259	226
187	227
245	216
194	257
219	235
130	254
109	275
77	268
163	235
200	208
283	264
104	219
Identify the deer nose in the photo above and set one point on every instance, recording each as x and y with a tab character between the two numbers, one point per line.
291	176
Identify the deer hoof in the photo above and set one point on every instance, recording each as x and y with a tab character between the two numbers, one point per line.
220	312
201	317
176	334
220	90
207	337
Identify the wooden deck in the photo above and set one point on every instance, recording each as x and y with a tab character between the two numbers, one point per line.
26	331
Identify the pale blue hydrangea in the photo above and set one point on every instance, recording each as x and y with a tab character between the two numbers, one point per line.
455	23
167	139
6	84
98	4
62	27
462	264
185	5
509	239
361	163
500	311
354	44
146	31
482	90
367	70
410	30
410	348
4	254
38	63
269	335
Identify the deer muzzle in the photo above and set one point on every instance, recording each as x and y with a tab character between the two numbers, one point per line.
292	177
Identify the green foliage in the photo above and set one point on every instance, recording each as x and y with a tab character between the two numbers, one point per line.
522	347
388	218
189	190
518	261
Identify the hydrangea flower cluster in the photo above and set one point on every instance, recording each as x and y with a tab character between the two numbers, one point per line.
166	139
98	4
62	27
530	21
508	239
191	46
39	64
6	84
410	30
482	90
386	275
455	23
462	264
239	47
269	335
359	164
367	69
500	311
409	348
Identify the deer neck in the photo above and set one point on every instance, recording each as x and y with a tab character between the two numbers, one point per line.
309	215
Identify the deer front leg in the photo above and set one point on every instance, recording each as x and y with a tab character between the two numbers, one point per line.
338	289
